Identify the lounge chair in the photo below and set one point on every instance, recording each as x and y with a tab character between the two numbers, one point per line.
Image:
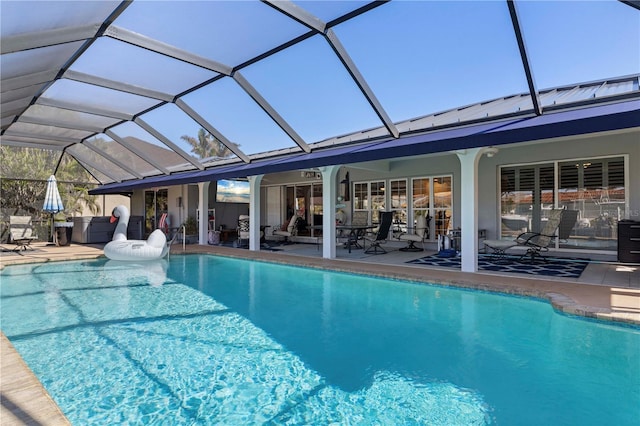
419	235
381	235
538	242
567	223
290	231
21	232
535	242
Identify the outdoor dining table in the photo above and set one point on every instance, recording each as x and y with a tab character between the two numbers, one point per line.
355	232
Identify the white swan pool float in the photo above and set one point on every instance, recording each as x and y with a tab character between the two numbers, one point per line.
154	247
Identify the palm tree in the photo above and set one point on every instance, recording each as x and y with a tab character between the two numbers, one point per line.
206	145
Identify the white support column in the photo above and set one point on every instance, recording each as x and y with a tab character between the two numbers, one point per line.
329	195
469	159
254	212
203	208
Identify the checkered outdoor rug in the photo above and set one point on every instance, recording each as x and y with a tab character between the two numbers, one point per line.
553	268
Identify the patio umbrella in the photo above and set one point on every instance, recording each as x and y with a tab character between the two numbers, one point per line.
52	200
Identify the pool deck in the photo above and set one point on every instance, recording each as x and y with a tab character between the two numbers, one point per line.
606	290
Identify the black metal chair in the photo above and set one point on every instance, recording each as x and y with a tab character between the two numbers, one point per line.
381	236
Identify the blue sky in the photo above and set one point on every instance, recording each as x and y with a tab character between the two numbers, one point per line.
419	57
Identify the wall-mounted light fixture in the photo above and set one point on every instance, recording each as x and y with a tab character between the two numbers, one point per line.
491	151
346	184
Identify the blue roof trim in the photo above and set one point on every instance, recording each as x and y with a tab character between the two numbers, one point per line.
583	121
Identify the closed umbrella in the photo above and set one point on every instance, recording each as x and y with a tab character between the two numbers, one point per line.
52	200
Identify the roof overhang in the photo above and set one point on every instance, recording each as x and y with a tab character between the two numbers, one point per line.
584	121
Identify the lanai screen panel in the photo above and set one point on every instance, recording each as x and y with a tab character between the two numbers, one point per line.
67	118
183	131
41	131
425	67
27	163
50	15
139	67
312	90
154	148
230	32
25	73
231	111
122	154
571	42
109	171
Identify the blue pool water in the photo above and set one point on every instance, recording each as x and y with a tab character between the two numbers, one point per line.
211	340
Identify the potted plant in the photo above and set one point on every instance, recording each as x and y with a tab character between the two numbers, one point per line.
190	230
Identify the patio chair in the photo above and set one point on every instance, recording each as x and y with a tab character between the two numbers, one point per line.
243	229
359	218
21	232
290	231
567	223
420	234
381	236
538	242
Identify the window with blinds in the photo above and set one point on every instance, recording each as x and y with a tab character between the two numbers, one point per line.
592	189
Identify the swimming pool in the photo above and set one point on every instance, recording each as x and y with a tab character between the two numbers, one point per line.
212	340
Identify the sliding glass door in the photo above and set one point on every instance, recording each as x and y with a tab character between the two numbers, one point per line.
592	192
155	203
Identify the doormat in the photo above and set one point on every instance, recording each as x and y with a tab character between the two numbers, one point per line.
566	268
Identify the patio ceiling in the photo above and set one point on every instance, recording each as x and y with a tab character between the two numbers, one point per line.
146	90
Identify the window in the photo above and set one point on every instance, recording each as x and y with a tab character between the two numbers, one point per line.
398	194
527	194
430	196
442	204
592	189
369	197
421	199
595	189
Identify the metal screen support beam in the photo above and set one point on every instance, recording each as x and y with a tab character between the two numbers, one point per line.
53	37
28	80
156	46
535	99
53	123
85	109
633	3
37	137
348	63
298	14
145	157
140	122
50	147
209	128
266	107
303	17
116	85
15	107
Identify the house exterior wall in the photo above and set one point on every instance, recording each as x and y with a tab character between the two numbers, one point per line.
602	145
